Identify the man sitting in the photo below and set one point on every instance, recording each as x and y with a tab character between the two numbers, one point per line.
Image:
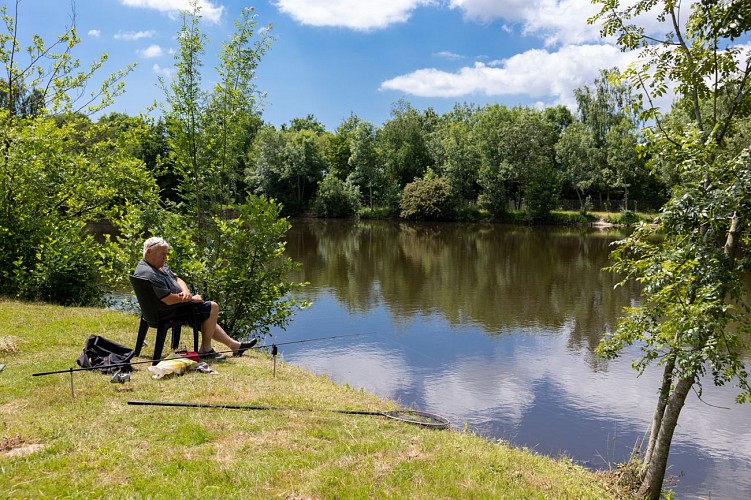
173	291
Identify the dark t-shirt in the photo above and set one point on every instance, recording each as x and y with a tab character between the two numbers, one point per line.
163	281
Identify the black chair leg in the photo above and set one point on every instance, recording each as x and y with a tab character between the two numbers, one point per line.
175	336
195	338
143	328
161	336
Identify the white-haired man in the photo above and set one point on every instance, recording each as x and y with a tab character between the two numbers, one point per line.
174	292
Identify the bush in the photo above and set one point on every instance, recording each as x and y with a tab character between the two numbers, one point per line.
427	199
54	179
336	198
469	213
65	271
628	217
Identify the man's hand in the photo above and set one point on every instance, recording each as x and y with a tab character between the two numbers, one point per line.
197	298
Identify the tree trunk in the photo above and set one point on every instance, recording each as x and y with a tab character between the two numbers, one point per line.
651	485
662	402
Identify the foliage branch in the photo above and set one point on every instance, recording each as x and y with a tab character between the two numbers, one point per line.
692	321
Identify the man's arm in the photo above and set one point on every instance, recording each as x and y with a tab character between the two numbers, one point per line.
183	296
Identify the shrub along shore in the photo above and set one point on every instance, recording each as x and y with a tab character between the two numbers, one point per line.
86	441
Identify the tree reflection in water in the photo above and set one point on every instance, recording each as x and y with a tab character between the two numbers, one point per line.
495	326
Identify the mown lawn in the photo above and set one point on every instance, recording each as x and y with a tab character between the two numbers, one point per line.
93	444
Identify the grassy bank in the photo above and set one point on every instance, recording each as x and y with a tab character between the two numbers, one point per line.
93	444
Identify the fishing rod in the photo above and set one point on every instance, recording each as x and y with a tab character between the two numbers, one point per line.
416	417
129	363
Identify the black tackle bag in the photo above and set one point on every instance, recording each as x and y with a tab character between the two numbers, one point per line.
105	355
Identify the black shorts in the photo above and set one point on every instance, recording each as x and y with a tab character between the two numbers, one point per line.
183	312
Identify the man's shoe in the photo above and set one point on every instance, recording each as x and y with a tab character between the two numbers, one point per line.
212	354
244	346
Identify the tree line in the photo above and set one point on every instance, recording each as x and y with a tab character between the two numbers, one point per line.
471	162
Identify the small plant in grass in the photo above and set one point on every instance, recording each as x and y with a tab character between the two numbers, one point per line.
8	344
587	206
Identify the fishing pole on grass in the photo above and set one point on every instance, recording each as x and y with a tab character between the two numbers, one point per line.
129	363
415	417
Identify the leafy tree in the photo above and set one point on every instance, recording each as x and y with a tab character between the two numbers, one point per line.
541	193
150	144
493	197
304	163
527	148
232	111
185	112
624	164
488	138
602	107
338	148
403	144
54	180
560	116
692	321
310	123
287	165
579	158
245	270
458	159
607	105
367	172
266	163
19	101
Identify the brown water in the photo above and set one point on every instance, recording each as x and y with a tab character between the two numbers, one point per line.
494	327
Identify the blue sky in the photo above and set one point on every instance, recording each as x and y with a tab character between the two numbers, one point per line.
332	58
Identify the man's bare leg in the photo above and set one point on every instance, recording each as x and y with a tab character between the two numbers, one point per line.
211	330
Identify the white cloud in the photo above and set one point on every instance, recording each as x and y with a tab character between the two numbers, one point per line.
163	72
535	73
449	55
210	11
558	21
562	22
151	52
352	14
95	33
134	35
489	10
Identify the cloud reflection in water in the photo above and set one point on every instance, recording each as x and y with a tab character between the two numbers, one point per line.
529	387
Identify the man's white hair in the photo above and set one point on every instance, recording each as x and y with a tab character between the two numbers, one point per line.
154	241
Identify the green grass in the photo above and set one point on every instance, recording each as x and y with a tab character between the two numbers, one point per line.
93	444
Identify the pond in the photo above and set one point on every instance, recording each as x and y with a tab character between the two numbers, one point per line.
494	327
